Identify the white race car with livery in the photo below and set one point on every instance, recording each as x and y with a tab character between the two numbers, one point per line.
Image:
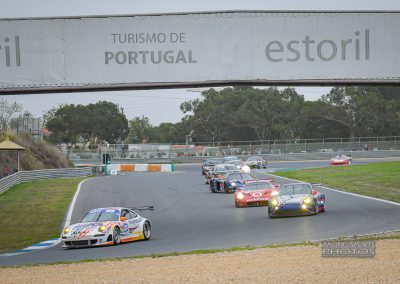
107	226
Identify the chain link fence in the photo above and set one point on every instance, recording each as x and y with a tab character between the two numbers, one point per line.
241	148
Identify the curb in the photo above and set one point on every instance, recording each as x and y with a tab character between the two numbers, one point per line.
36	247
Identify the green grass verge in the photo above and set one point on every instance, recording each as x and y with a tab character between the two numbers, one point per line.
381	180
32	212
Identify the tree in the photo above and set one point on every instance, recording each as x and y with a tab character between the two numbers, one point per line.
93	123
207	114
106	122
49	114
7	110
363	111
164	133
65	125
245	113
311	122
139	130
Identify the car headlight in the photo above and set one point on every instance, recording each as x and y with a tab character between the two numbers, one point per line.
307	200
240	195
102	228
67	230
233	183
274	202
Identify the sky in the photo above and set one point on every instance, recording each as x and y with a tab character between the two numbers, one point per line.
158	105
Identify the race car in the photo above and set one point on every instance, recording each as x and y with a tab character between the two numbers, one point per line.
341	160
242	167
229	182
218	170
107	226
256	162
255	193
296	199
208	165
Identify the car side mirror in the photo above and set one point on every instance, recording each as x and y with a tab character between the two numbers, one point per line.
122	219
276	186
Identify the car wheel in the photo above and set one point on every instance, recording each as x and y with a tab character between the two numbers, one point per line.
237	205
212	188
116	236
316	208
146	230
226	189
323	207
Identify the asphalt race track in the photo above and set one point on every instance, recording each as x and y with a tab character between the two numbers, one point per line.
188	217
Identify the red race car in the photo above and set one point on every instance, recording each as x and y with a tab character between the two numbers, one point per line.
341	160
255	193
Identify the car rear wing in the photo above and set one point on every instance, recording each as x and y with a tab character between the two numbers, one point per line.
150	207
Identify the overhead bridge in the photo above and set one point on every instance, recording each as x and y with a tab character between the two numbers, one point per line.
100	53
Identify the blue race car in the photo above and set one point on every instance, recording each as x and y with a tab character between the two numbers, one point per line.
296	199
229	181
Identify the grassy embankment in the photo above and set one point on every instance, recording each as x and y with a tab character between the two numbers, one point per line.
381	180
33	212
38	154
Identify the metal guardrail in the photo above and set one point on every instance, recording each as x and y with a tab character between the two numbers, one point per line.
24	176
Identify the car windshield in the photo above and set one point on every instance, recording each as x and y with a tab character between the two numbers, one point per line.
229	158
294	189
220	168
231	167
255	158
101	216
258	186
214	161
247	177
340	157
236	163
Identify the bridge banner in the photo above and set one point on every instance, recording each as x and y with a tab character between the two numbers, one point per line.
199	49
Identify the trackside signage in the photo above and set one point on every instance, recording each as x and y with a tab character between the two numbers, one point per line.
199	48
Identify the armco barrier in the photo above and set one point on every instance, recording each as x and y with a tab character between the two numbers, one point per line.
127	168
141	167
154	168
24	176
